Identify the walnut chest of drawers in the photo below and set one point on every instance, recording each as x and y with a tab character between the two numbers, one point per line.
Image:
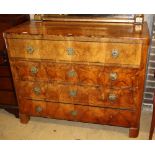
79	71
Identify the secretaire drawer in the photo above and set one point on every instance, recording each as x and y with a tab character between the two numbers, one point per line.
95	52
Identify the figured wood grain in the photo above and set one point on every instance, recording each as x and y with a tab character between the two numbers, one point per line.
82	51
76	94
26	89
84	97
83	74
80	31
83	113
23	70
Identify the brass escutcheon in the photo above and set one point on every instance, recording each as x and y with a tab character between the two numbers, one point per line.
38	109
70	51
113	76
74	113
34	70
72	73
29	49
115	53
112	97
37	90
72	93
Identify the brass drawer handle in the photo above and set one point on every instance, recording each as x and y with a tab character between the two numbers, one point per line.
30	50
34	70
112	97
72	93
38	109
37	90
72	73
114	53
74	113
70	51
113	76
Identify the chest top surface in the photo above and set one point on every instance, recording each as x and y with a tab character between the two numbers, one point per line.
80	31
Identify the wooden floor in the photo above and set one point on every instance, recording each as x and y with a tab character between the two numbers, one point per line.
42	128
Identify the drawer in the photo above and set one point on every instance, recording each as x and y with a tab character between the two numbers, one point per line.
8	98
92	75
74	73
94	96
30	107
78	112
32	90
91	114
76	94
29	70
107	53
6	83
124	54
60	72
117	77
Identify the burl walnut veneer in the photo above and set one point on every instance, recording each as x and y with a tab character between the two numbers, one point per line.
79	71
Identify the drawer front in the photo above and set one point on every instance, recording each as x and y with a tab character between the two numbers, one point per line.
73	73
94	96
91	114
30	107
108	53
78	113
31	90
6	83
75	94
124	54
9	100
116	77
28	70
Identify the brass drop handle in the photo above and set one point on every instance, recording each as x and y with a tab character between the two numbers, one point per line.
34	70
38	109
113	76
72	73
70	51
114	53
74	113
30	50
37	90
72	93
112	97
